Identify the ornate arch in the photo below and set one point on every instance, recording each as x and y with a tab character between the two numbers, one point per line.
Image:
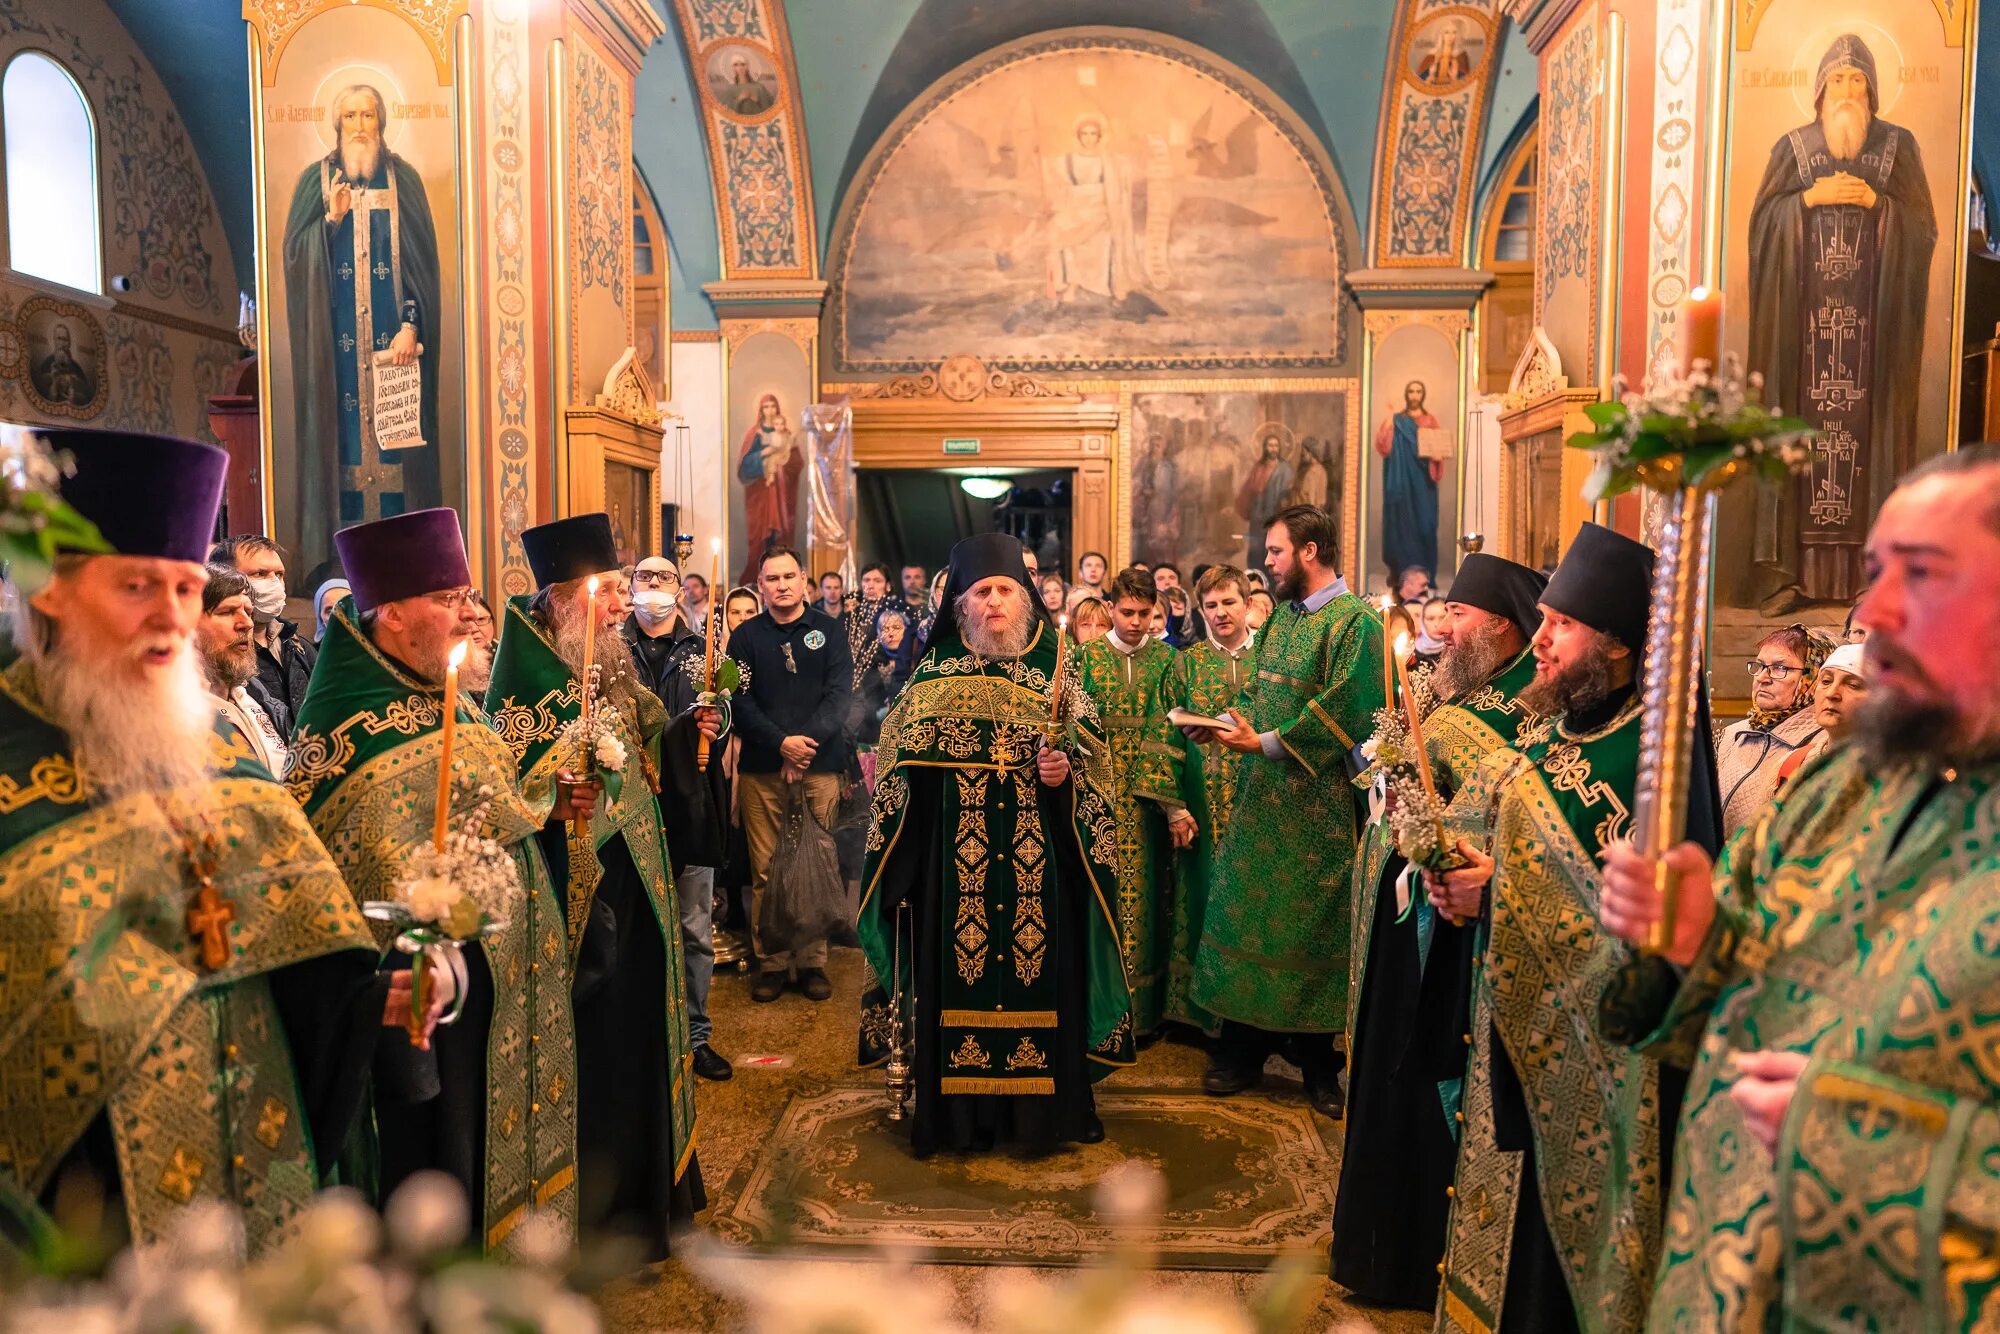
1444	55
756	136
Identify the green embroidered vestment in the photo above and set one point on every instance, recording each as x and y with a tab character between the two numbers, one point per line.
1553	801
1200	779
366	750
1125	687
105	1005
1001	882
1859	921
1275	934
533	695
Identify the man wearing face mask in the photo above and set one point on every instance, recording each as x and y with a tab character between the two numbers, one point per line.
284	657
668	655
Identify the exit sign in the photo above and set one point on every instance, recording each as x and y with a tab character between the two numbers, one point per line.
964	444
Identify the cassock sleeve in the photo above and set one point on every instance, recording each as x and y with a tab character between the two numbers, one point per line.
331	1008
1343	713
1162	772
1861	1150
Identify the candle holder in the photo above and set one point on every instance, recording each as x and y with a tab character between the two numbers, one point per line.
683	549
1471	542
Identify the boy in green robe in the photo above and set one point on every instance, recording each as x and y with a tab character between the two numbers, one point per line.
493	1105
1413	967
989	888
191	998
1272	963
1839	1164
1555	1221
1196	784
635	1114
1122	672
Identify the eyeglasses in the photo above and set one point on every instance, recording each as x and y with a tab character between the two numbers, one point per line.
654	579
456	598
1773	669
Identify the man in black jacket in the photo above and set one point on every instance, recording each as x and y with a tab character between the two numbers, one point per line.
669	655
792	717
284	656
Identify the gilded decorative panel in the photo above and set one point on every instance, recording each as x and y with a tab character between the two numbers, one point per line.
511	353
1671	225
278	21
1567	240
1434	106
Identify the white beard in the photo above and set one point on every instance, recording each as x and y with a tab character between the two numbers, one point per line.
617	679
131	736
1011	641
359	160
1845	125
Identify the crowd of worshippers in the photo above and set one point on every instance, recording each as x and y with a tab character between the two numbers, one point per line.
1076	817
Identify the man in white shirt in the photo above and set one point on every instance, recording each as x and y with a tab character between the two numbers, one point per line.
225	639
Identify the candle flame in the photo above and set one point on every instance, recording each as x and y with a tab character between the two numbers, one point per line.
1062	622
458	652
1699	293
715	545
1402	645
1388	604
592	585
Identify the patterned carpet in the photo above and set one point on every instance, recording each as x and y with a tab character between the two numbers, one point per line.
1246	1180
813	1050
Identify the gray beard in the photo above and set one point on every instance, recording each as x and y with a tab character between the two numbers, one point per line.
617	679
1470	661
1010	642
359	161
228	670
1584	684
125	739
1845	125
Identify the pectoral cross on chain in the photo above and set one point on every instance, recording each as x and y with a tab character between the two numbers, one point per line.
208	913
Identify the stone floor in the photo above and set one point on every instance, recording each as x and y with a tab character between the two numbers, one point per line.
814	1045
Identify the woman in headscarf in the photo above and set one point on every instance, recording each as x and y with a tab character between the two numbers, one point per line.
895	656
1751	752
324	601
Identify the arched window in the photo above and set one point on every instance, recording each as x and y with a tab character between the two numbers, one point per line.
649	286
1507	250
50	148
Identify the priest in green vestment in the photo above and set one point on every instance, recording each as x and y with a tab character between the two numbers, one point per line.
635	1112
1195	784
1272	963
1839	1001
191	1000
1412	974
1555	1221
990	887
1122	671
494	1103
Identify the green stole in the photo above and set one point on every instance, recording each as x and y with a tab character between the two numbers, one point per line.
1200	779
366	749
1554	801
1457	736
1275	936
1126	689
1859	921
105	1005
533	695
982	720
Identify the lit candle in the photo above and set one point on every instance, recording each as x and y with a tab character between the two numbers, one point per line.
1701	321
1055	686
589	641
443	815
1388	654
708	645
1410	713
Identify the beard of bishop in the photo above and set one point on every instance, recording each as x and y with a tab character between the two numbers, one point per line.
617	679
1845	123
132	728
1582	685
1010	641
1473	657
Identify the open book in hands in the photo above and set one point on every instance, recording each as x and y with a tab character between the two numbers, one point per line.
1189	718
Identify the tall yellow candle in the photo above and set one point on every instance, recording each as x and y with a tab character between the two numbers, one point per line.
708	645
1701	322
1055	685
589	641
443	816
1410	714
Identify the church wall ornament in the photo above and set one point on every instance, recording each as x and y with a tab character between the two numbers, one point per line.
1434	107
1093	201
1566	257
512	351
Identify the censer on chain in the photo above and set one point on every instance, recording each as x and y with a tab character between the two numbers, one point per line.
897	1075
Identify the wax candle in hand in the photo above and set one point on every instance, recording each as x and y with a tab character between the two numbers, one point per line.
443	815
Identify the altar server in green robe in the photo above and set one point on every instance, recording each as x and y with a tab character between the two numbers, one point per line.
190	998
1196	784
989	891
1555	1221
1123	672
1839	1162
494	1103
635	1114
1272	963
1413	966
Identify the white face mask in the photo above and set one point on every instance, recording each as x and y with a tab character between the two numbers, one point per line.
267	597
652	606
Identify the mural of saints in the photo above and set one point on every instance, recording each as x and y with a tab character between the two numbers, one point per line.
768	466
1409	486
1090	238
361	278
1841	236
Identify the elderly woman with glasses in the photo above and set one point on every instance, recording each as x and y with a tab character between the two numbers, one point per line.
1752	752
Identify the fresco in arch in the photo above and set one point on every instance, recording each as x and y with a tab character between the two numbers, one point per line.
1093	201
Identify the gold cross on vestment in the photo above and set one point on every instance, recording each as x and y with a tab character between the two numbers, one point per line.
372	480
208	913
